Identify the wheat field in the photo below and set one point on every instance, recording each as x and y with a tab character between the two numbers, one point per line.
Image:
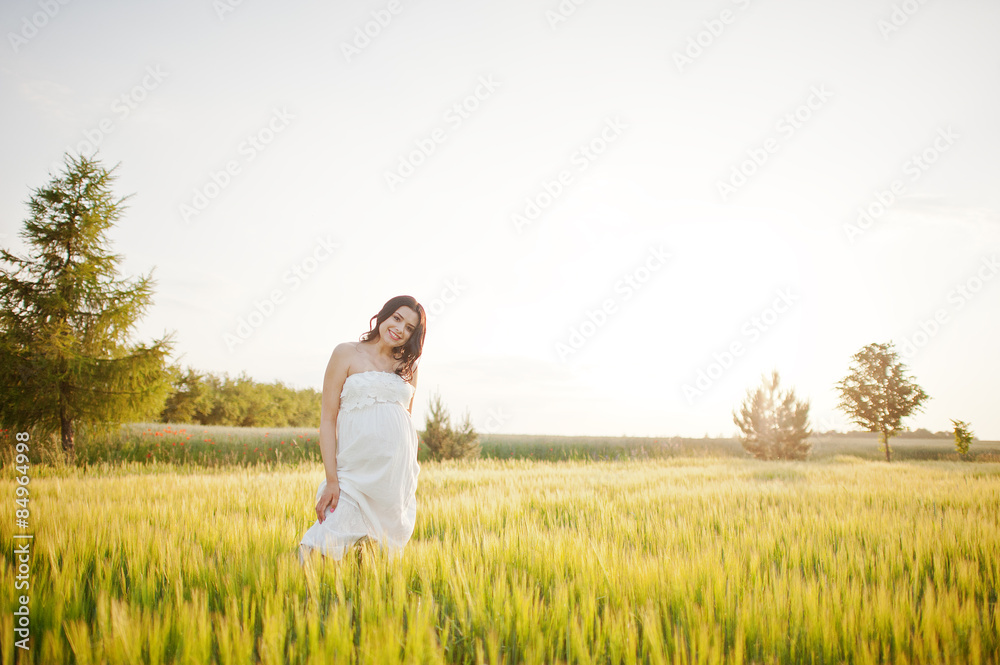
687	560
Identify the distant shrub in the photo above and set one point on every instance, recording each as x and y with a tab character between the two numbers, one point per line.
774	425
963	438
444	442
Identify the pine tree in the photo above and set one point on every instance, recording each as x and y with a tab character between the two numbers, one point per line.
774	425
436	427
444	442
877	393
66	316
465	440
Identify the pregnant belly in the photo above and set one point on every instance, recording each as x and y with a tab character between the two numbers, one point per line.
376	446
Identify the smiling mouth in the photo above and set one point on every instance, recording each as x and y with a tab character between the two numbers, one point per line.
394	336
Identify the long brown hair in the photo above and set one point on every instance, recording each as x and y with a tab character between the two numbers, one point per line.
409	352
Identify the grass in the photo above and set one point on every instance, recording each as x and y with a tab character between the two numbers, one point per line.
150	443
824	447
674	560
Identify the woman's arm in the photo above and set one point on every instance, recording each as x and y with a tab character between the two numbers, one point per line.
413	382
333	384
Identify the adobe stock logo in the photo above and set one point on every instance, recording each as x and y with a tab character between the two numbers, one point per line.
914	168
785	128
562	12
265	307
30	26
456	114
627	286
495	419
363	35
701	42
436	306
582	158
900	16
961	295
752	329
120	109
223	7
218	181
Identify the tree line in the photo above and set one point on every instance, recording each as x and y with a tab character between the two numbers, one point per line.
204	398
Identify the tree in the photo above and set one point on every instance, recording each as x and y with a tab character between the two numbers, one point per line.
66	316
190	399
877	393
774	425
442	441
963	437
208	399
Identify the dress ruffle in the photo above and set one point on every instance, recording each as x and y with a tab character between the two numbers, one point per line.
372	386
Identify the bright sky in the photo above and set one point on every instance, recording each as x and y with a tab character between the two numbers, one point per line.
620	214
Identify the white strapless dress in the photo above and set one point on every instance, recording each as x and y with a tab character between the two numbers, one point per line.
376	467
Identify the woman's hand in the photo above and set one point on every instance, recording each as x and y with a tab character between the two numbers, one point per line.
328	500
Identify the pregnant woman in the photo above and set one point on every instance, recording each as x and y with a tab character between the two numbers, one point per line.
366	436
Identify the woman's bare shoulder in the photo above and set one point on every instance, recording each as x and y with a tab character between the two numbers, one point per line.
343	354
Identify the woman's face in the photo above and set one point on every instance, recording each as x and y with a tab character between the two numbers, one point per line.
399	326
